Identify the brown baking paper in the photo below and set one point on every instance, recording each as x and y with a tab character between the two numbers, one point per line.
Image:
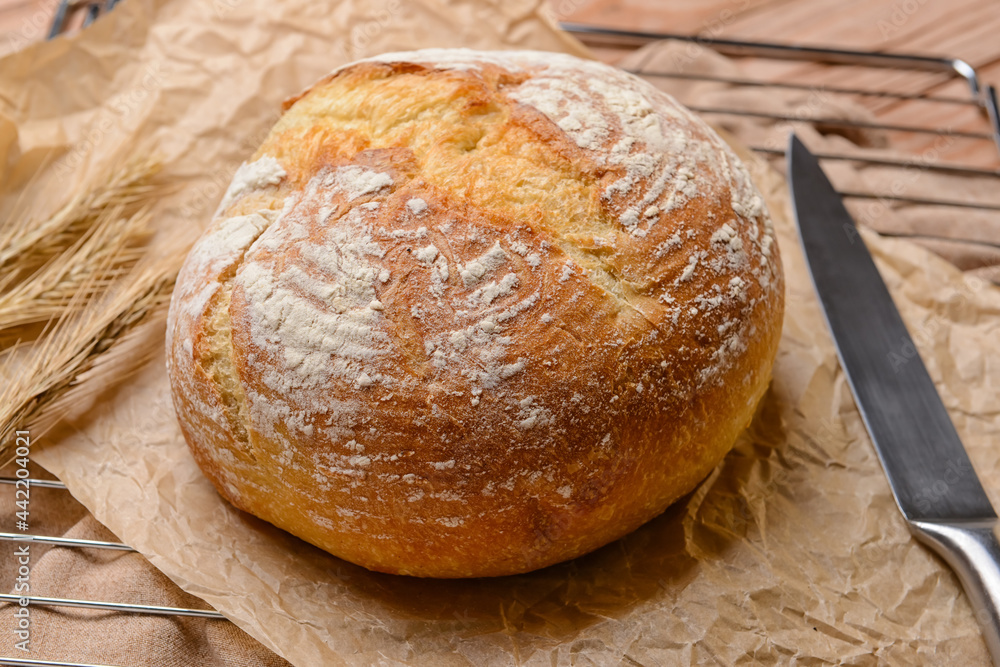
792	551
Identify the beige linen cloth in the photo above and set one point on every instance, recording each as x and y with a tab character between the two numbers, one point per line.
103	637
792	550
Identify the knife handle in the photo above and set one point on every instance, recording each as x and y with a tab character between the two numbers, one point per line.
972	550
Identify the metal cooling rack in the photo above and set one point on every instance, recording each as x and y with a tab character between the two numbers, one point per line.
983	97
66	8
901	68
154	610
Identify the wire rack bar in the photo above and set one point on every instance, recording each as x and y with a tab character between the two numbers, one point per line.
65	541
959	169
113	606
93	11
746	48
857	194
840	122
59	19
42	483
791	85
993	110
936	237
26	662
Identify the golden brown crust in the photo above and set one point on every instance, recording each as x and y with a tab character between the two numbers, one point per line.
472	314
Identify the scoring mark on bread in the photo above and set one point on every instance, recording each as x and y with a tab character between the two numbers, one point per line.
204	291
252	176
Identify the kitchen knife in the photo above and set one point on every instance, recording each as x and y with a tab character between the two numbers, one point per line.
929	472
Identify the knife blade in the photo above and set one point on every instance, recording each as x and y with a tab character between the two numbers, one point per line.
929	472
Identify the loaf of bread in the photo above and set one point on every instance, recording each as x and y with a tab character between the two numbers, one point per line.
471	314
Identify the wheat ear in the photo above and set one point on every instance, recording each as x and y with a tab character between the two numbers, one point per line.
103	253
47	380
30	243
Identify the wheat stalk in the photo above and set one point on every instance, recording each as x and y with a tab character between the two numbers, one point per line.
26	243
54	374
100	255
83	273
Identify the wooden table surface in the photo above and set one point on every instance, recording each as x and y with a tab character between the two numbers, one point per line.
966	29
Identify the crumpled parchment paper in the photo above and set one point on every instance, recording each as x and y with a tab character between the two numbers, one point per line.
791	552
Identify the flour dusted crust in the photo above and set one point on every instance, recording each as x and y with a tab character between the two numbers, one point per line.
471	314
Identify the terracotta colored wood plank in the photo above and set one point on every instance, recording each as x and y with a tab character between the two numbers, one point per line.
885	26
969	32
674	17
16	5
961	21
23	22
852	24
964	29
